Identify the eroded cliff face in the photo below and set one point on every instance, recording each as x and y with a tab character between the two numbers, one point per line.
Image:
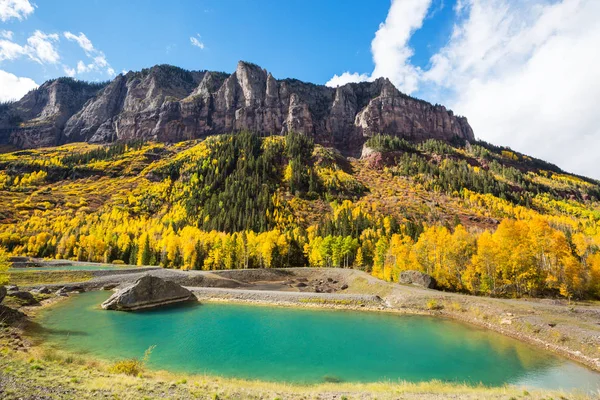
38	119
169	104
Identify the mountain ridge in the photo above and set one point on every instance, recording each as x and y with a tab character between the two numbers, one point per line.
170	104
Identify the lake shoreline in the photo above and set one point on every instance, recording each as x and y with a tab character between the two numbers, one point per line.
90	378
364	303
298	306
535	322
230	296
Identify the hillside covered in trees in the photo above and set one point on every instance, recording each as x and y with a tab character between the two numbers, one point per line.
479	218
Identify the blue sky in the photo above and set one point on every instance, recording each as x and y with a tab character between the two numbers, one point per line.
309	40
524	72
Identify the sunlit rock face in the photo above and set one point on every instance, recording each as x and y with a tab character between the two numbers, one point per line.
169	104
147	292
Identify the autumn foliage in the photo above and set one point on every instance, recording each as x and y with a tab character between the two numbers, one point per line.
479	219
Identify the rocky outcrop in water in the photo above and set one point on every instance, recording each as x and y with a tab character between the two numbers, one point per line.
147	292
169	104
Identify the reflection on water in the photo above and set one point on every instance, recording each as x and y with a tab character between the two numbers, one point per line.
307	346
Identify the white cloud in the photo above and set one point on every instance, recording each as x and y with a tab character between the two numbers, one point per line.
18	9
81	67
69	71
347	77
6	34
82	41
523	71
197	42
10	50
40	47
391	53
98	59
14	87
390	49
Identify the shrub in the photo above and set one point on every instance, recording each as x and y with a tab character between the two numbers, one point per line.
118	262
432	304
559	337
133	366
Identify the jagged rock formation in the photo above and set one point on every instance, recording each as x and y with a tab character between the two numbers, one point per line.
147	292
38	119
166	103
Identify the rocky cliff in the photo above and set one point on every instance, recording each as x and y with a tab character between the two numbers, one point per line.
166	103
39	118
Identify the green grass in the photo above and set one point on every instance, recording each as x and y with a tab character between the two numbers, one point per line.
47	277
43	370
341	302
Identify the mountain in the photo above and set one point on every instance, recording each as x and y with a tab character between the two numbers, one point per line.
424	195
478	218
169	104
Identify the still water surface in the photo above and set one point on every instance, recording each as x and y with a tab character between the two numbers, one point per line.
306	346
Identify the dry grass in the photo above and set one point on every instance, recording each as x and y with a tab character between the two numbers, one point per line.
60	372
371	286
47	277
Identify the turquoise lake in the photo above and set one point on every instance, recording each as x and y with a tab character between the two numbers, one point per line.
306	346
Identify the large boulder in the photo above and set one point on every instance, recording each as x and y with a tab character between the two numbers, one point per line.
65	290
23	297
147	292
9	315
417	278
41	290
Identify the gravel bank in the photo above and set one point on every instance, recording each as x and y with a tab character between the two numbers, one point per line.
288	298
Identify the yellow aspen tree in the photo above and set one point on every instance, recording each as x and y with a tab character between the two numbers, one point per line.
481	274
4	265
